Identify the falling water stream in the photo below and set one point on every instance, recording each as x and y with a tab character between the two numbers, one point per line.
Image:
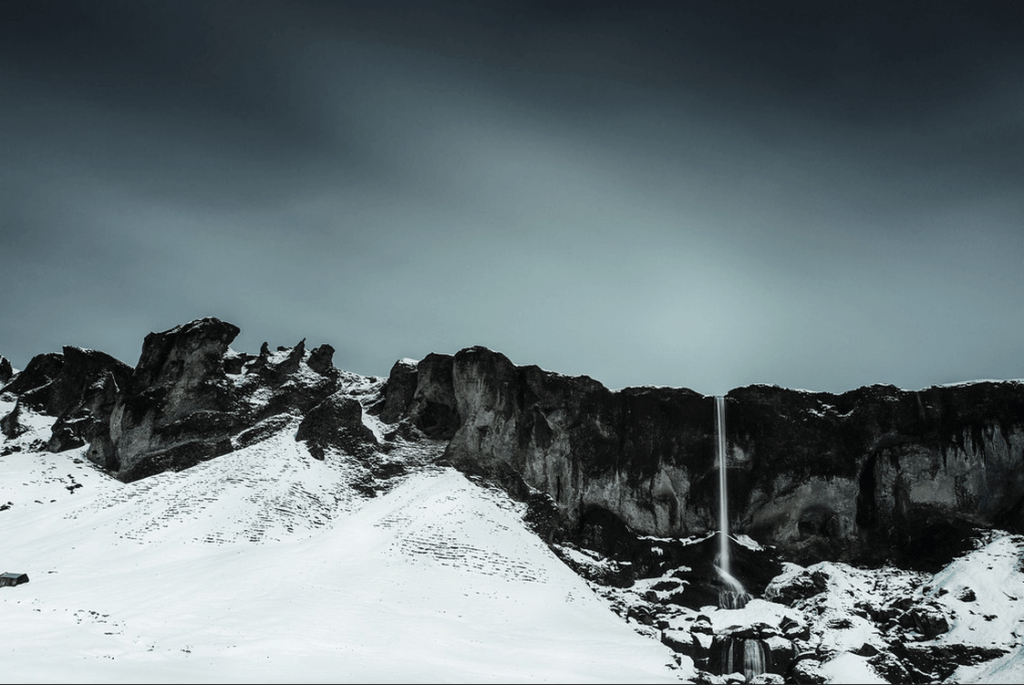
752	660
723	493
732	595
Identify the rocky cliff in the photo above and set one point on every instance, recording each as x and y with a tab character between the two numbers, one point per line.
870	475
875	474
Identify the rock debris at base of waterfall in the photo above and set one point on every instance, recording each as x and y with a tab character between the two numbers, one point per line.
214	515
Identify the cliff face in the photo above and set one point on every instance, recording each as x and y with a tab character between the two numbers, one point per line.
874	474
878	472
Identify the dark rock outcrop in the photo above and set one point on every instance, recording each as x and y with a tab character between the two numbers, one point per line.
179	407
78	387
10	424
337	422
878	473
287	382
320	361
642	453
421	394
6	370
33	384
191	398
83	395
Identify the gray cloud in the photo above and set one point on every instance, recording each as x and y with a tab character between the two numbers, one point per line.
644	194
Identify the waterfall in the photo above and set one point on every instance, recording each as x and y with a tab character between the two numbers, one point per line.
732	595
752	662
723	493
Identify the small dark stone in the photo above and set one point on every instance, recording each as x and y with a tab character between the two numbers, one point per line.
966	594
840	623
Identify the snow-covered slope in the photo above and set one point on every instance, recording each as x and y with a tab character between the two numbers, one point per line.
266	565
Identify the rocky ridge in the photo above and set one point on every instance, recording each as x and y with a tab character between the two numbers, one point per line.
622	484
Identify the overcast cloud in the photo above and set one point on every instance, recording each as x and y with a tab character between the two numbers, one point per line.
707	195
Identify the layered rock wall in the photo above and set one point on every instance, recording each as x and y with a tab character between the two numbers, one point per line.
871	475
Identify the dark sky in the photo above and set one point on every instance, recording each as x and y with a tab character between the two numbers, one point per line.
817	195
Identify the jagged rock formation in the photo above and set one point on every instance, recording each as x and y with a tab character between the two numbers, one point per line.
10	425
874	474
6	370
77	387
178	407
188	399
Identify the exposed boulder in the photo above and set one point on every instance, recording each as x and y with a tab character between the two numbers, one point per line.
929	618
337	423
789	590
320	361
807	671
10	424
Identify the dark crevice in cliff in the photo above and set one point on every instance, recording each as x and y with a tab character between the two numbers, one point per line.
867	505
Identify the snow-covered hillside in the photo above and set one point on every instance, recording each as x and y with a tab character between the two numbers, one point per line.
266	565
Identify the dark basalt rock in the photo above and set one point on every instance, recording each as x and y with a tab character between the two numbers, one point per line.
422	395
10	425
178	407
291	388
83	396
33	384
925	663
6	370
806	584
78	387
81	379
398	392
175	458
337	423
320	360
264	429
929	618
879	473
635	453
